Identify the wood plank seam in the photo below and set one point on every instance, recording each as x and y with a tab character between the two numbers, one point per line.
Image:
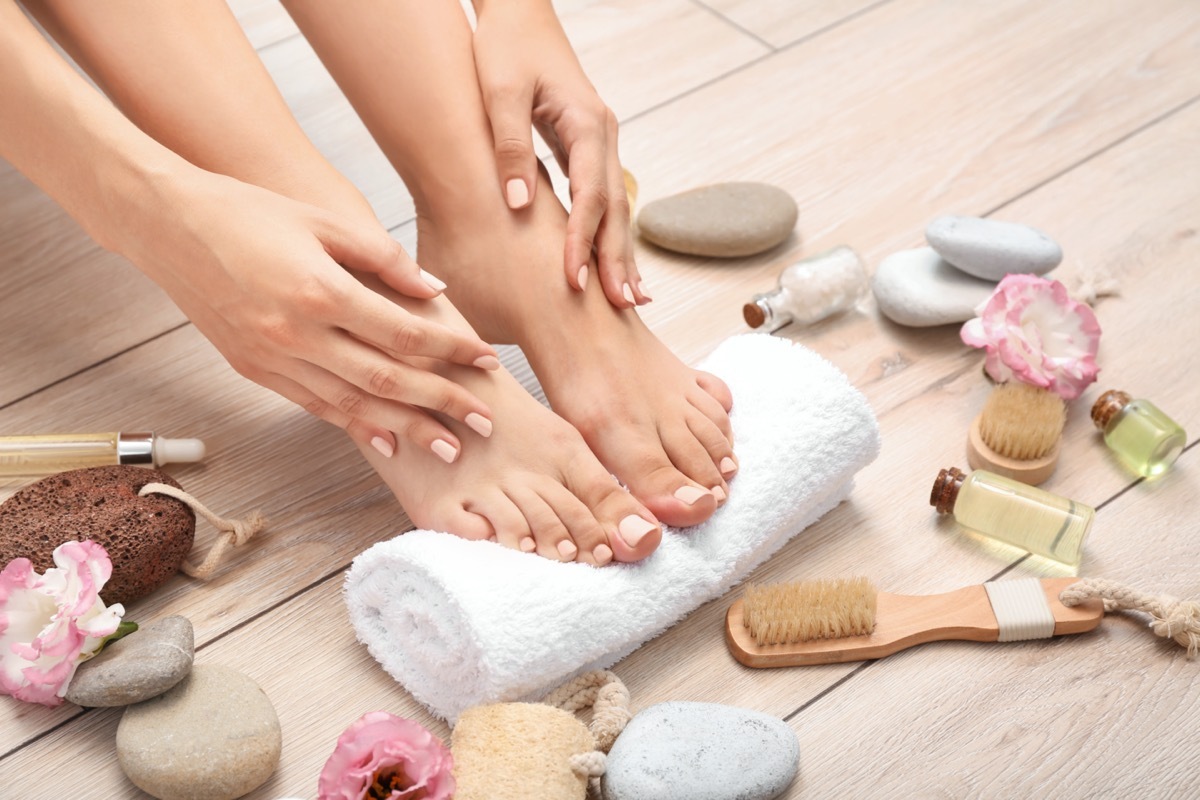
741	29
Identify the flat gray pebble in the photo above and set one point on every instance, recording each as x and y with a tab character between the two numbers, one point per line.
214	736
918	288
701	751
725	220
142	665
990	249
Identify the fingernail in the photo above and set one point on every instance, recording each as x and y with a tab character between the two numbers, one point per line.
567	549
528	544
517	193
386	448
433	282
718	493
627	293
634	528
642	291
487	362
447	452
602	553
728	466
690	494
479	423
583	273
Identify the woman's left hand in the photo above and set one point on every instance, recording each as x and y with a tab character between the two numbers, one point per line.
530	77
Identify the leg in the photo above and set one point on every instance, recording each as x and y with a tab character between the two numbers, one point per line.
662	428
534	484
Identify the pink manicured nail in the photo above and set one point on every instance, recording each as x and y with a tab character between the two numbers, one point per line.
583	273
690	494
487	362
567	549
602	553
634	528
433	282
642	291
627	293
728	466
446	451
528	544
383	446
479	423
516	192
718	493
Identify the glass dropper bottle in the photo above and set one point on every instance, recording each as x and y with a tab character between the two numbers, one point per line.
45	454
811	290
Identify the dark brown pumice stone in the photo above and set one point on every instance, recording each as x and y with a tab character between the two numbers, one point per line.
147	538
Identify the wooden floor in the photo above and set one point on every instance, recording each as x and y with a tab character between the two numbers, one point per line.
1077	116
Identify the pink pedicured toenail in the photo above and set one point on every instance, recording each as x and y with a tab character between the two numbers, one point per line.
634	528
479	423
718	493
487	362
444	450
728	466
528	544
602	553
567	549
627	293
690	494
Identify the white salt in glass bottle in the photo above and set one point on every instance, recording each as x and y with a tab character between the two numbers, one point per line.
811	290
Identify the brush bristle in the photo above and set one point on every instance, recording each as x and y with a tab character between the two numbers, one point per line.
1022	421
782	613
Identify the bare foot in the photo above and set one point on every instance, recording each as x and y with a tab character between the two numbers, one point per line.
661	427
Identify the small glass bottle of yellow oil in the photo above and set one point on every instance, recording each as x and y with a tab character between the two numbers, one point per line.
1013	512
1143	437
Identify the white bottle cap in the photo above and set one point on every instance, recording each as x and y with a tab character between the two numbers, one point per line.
177	451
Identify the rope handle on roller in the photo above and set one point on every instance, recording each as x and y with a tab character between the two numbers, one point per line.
1170	617
608	698
235	532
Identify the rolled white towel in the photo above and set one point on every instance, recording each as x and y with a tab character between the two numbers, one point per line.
460	623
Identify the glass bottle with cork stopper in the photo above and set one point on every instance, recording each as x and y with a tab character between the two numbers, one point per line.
1143	437
1013	512
811	290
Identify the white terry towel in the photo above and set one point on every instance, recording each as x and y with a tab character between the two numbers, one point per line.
460	623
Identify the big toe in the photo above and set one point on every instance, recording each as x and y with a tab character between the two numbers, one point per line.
671	495
631	529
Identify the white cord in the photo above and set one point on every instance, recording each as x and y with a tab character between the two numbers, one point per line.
1021	609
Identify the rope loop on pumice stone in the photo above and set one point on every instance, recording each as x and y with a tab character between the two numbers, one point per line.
234	532
1170	618
608	697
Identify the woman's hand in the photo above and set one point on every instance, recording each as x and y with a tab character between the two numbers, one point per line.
265	279
530	76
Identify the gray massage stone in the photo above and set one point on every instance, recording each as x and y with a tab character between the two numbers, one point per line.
919	289
139	666
725	220
990	249
214	736
701	751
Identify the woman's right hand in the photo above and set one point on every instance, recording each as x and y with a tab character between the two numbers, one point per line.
266	280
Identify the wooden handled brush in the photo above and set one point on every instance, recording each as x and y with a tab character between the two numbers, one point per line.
830	622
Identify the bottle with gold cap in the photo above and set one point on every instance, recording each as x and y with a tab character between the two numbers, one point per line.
1013	512
1143	437
811	290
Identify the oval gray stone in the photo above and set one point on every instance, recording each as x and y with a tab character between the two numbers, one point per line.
990	249
725	219
214	736
920	289
701	751
142	665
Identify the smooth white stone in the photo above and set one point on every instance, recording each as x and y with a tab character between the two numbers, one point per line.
990	249
920	289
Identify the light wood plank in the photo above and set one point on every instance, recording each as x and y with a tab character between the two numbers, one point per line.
782	22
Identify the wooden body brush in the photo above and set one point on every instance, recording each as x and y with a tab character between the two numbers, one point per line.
830	622
1017	433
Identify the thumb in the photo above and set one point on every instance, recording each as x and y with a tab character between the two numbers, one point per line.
511	115
371	250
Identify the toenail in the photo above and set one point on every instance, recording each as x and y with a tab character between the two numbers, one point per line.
627	293
487	362
444	450
567	549
718	493
383	446
728	466
583	273
479	423
528	544
602	553
690	494
634	528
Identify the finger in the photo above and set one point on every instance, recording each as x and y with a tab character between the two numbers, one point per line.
374	319
614	243
587	172
510	109
360	432
550	137
370	249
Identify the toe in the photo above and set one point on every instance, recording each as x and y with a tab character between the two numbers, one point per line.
713	440
690	457
460	522
582	526
716	388
710	407
631	529
671	495
507	523
551	537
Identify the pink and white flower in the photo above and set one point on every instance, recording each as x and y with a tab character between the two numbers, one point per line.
1035	333
50	623
385	757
